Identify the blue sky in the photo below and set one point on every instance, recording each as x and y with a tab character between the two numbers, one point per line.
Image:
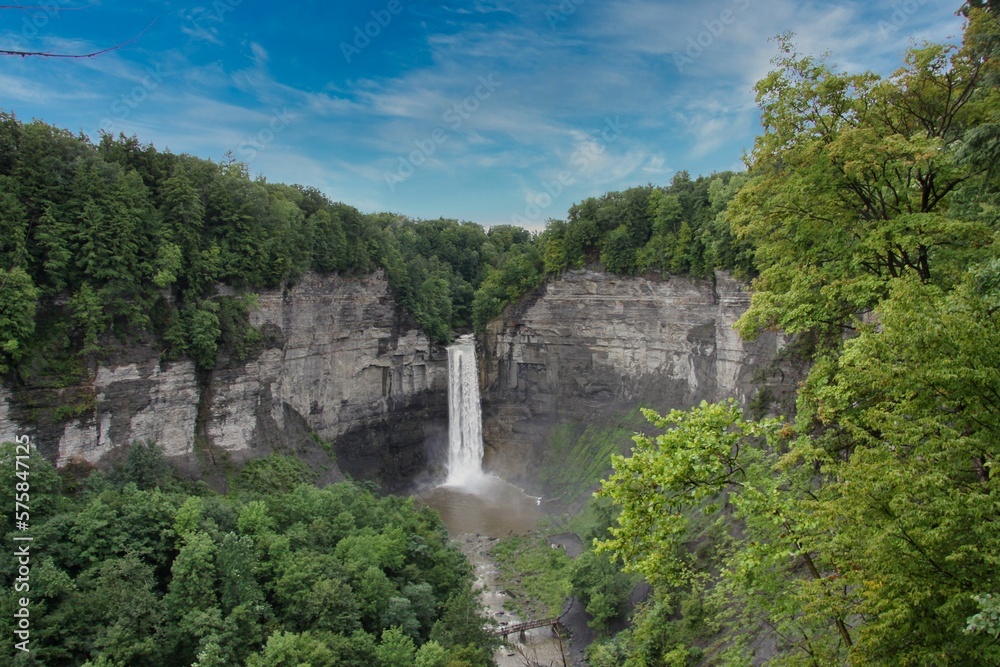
488	110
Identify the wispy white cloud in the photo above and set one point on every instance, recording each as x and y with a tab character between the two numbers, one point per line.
201	24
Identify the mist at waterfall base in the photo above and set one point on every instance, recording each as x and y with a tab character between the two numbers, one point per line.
469	500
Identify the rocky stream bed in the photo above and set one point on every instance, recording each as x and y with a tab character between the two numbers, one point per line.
541	647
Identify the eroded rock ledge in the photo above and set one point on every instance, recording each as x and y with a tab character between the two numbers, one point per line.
345	364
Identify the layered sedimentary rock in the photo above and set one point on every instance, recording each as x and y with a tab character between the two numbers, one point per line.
588	345
343	364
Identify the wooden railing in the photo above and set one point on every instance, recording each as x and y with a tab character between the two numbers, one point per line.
521	628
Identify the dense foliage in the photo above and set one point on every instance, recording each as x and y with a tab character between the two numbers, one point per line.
678	229
865	531
121	238
675	230
136	568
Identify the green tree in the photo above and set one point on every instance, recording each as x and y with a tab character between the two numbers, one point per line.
238	583
775	579
13	224
145	466
908	510
89	317
270	475
520	271
18	303
601	587
53	239
430	654
396	649
125	522
435	312
618	254
682	252
192	597
288	649
168	265
553	250
666	212
861	210
202	329
851	182
193	575
126	614
461	624
330	246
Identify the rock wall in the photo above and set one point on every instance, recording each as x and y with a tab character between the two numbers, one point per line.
591	345
343	362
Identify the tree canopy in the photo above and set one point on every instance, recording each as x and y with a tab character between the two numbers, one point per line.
135	567
863	531
119	239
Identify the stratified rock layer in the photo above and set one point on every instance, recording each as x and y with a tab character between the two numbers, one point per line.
344	364
590	345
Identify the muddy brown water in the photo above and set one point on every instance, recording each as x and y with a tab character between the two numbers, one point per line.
491	507
475	517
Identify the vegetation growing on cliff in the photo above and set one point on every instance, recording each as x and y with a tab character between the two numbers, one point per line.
675	230
865	529
135	568
117	238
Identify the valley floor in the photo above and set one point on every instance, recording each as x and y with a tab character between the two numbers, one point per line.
541	647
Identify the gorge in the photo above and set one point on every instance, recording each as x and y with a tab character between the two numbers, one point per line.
343	365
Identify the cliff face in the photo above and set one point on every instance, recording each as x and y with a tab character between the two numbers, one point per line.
591	345
343	363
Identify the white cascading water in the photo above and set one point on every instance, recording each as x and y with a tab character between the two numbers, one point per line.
465	437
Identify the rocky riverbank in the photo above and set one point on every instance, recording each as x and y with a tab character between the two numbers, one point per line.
540	646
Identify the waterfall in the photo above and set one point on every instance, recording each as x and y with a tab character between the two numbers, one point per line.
465	437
